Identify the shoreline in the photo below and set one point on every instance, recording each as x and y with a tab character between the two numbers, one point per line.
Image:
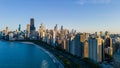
54	59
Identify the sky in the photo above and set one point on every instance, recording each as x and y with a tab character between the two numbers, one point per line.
82	15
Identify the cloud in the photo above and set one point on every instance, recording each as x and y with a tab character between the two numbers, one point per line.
82	2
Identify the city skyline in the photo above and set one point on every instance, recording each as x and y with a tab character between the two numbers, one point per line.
81	15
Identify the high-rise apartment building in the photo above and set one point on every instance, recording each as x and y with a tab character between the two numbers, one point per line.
72	45
84	44
86	49
108	46
108	42
28	30
41	31
95	46
78	45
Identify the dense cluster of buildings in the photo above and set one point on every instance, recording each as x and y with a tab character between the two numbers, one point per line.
99	46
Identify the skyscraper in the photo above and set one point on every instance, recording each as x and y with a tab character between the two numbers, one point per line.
28	30
108	47
56	28
95	49
102	33
32	27
6	31
19	29
33	32
86	49
41	31
108	42
61	27
54	34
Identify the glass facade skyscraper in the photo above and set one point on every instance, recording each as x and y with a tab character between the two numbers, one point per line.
32	27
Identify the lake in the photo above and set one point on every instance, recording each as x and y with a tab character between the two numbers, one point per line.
21	55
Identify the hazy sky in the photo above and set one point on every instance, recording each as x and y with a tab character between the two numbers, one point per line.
82	15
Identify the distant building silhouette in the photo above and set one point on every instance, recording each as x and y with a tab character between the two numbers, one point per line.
19	29
6	31
32	27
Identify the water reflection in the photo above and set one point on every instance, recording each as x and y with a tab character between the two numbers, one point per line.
44	64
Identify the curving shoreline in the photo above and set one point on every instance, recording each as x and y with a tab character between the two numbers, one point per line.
54	59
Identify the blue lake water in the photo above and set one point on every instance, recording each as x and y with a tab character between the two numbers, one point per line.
21	55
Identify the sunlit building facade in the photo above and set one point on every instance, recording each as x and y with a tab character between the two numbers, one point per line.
95	49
